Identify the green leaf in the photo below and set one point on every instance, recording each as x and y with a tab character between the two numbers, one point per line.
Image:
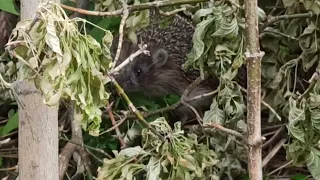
12	123
139	100
9	6
105	23
298	177
201	13
198	44
227	29
215	115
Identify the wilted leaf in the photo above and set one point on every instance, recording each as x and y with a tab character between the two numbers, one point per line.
296	115
51	38
132	151
313	5
198	44
201	13
313	163
153	169
215	115
227	29
288	3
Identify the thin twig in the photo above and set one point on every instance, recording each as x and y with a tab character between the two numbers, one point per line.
121	30
265	104
184	98
132	8
281	167
132	107
9	168
199	119
2	142
226	130
274	8
114	126
204	95
170	13
265	32
113	121
273	152
266	144
193	85
88	147
141	50
312	81
94	156
275	19
171	107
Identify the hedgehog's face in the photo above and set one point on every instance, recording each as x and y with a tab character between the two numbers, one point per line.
137	75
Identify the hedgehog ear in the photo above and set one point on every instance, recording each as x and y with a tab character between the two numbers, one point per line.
160	57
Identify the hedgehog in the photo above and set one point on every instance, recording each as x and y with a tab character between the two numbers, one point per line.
160	73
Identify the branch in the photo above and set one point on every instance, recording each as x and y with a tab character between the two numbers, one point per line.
253	57
184	98
88	147
275	19
119	135
265	104
114	126
165	109
141	50
274	151
84	159
271	140
132	8
170	13
226	130
121	32
133	108
313	80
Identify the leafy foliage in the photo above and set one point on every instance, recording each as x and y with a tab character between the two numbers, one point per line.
67	64
176	157
62	62
135	20
217	41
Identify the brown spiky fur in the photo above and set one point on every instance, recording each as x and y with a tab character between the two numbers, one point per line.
159	79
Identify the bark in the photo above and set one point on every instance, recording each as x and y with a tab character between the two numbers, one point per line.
38	124
254	90
7	23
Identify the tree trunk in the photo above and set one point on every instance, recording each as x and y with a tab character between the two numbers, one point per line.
38	124
254	56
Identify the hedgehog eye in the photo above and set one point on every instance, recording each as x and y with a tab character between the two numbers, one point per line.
138	72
